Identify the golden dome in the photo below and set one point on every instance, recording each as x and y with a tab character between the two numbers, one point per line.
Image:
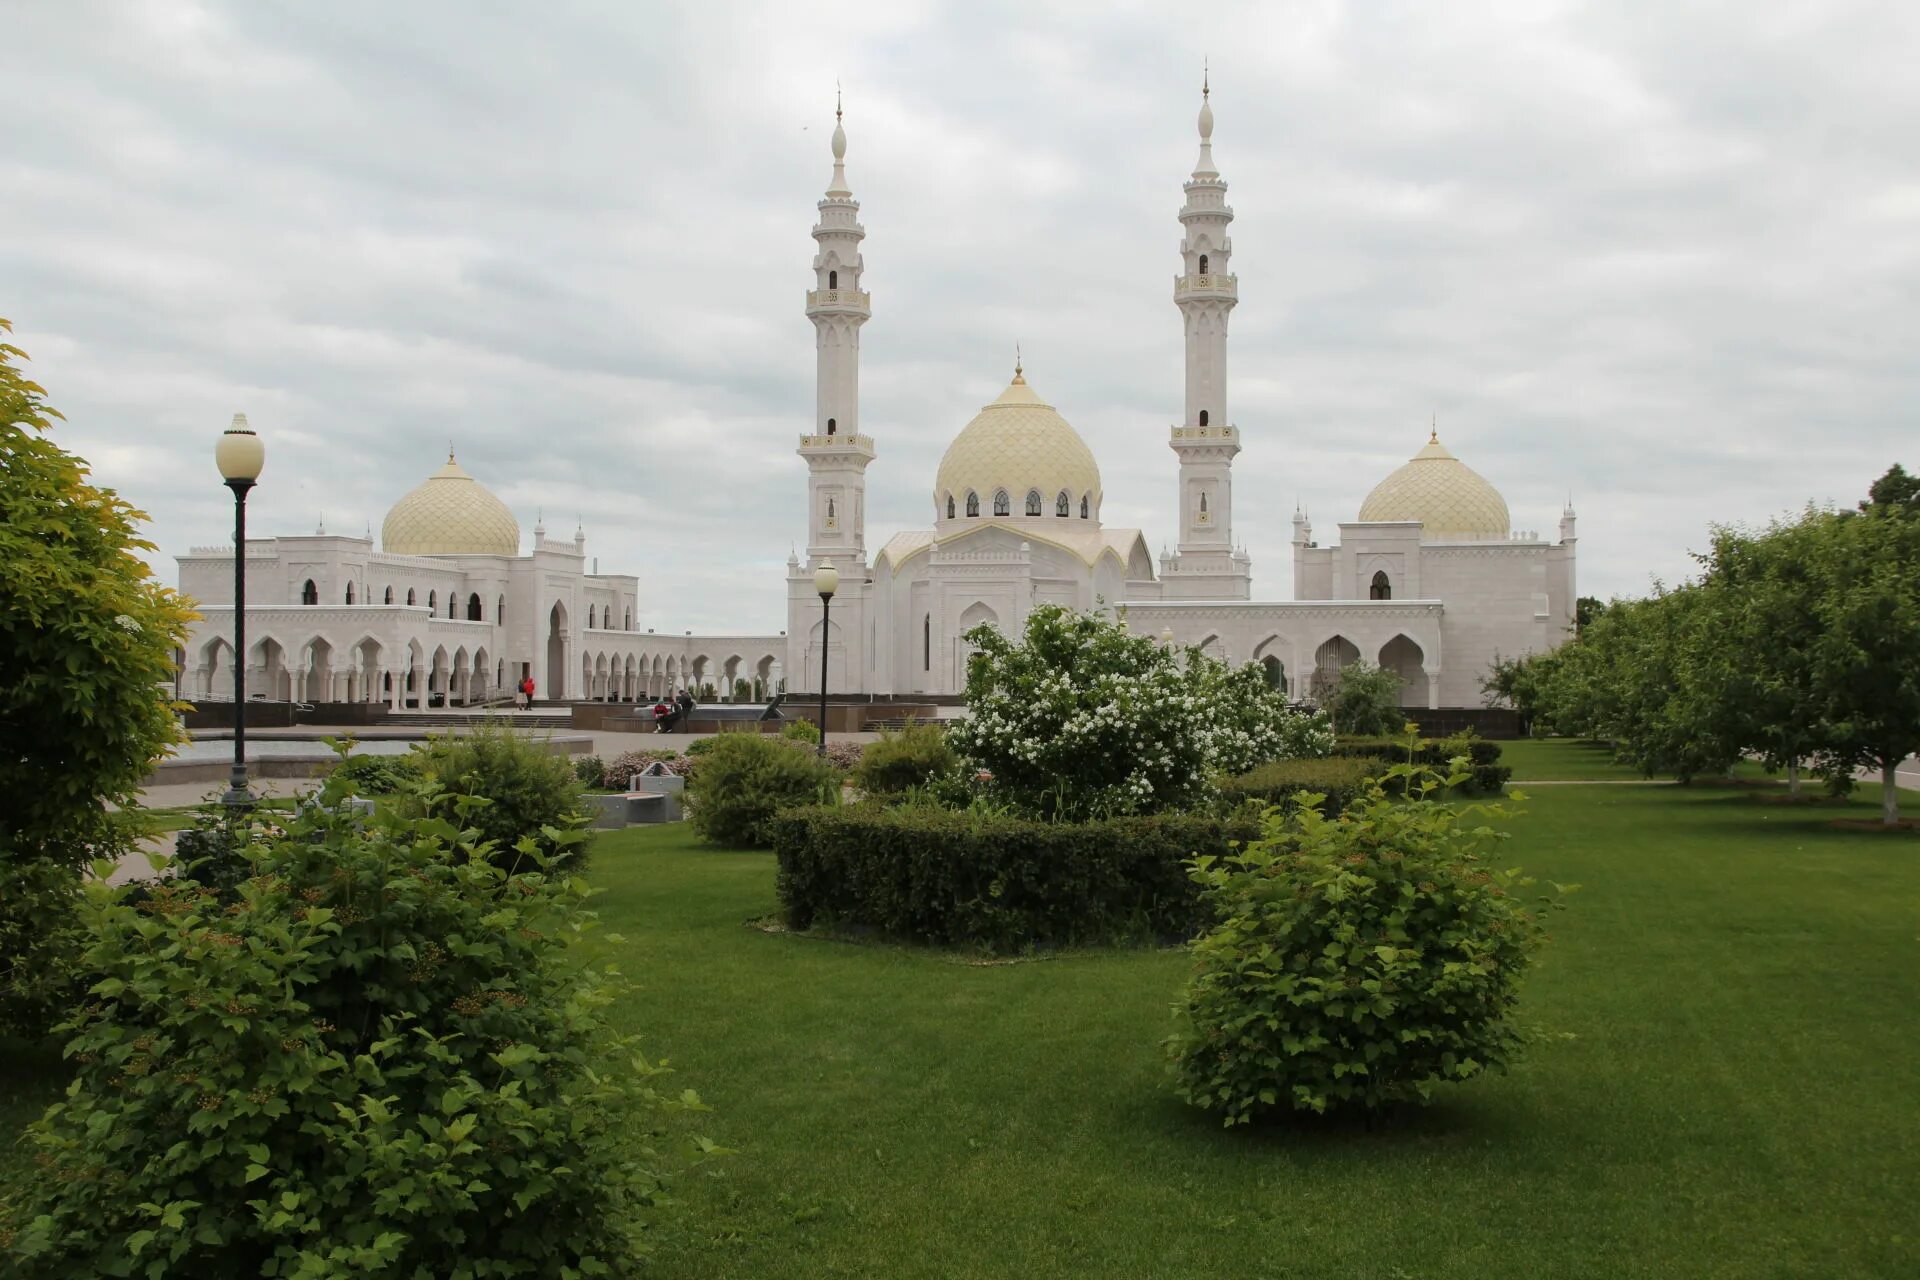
1017	443
1451	500
452	514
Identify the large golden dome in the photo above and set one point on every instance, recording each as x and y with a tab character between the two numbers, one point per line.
452	514
1017	444
1451	500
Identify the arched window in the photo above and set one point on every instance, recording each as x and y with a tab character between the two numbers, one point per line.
973	503
1381	588
1002	505
1203	502
1063	505
1203	264
410	599
833	279
949	506
626	620
453	604
473	607
1083	506
832	426
1203	417
349	593
500	611
926	643
389	597
433	602
1033	502
309	594
830	511
590	617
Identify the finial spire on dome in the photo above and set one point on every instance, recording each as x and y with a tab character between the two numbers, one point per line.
838	187
1204	168
1019	372
1433	429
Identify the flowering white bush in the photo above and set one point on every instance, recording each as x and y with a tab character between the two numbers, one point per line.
1079	719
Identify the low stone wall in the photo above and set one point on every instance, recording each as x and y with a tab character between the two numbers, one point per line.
284	715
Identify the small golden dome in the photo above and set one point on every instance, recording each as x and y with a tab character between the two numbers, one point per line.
452	514
1452	502
1018	443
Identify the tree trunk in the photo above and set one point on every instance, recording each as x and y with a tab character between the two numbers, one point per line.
1889	793
1793	776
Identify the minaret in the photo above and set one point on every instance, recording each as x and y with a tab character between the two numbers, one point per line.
1206	563
837	454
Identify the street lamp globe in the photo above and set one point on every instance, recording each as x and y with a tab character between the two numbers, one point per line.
1166	636
240	454
826	580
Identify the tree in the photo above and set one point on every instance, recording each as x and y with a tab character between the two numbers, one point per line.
1757	675
1079	719
1365	701
1865	663
1894	489
86	655
1585	610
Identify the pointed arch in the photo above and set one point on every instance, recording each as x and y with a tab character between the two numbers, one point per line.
1381	588
973	503
1034	502
1002	504
949	506
1085	502
1062	504
473	607
309	593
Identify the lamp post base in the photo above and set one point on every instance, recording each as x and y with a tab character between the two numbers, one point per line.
236	798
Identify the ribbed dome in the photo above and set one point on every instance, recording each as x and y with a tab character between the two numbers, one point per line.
1017	443
452	514
1451	500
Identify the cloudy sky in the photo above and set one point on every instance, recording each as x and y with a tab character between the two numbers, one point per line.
1662	256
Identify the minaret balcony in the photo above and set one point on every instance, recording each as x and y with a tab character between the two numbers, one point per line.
846	301
1216	285
1206	435
837	442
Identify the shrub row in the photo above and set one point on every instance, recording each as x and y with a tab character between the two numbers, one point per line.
1342	779
993	882
1487	776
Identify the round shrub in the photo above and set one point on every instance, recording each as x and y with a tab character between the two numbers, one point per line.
378	1058
844	755
530	794
378	775
1338	781
1359	960
589	770
801	731
619	772
745	778
900	762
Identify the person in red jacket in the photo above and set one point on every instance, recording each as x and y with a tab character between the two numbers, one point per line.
526	690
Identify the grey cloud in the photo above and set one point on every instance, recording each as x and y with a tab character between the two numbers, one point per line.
1661	257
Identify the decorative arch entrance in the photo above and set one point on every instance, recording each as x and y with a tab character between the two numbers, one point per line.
556	651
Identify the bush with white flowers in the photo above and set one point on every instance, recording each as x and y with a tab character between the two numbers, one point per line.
1079	719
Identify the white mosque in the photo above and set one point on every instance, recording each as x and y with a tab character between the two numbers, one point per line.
1429	581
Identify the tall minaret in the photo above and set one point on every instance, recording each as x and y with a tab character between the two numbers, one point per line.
837	454
1206	563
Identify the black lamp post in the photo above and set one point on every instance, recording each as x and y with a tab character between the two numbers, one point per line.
240	456
826	580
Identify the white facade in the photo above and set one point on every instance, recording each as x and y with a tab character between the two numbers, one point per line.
1431	582
331	619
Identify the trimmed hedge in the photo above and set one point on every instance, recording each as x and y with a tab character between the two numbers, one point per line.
996	883
1340	779
1488	775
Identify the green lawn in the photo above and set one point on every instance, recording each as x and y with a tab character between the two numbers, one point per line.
1740	1099
1562	760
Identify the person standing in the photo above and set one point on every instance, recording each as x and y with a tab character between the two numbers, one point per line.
686	705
